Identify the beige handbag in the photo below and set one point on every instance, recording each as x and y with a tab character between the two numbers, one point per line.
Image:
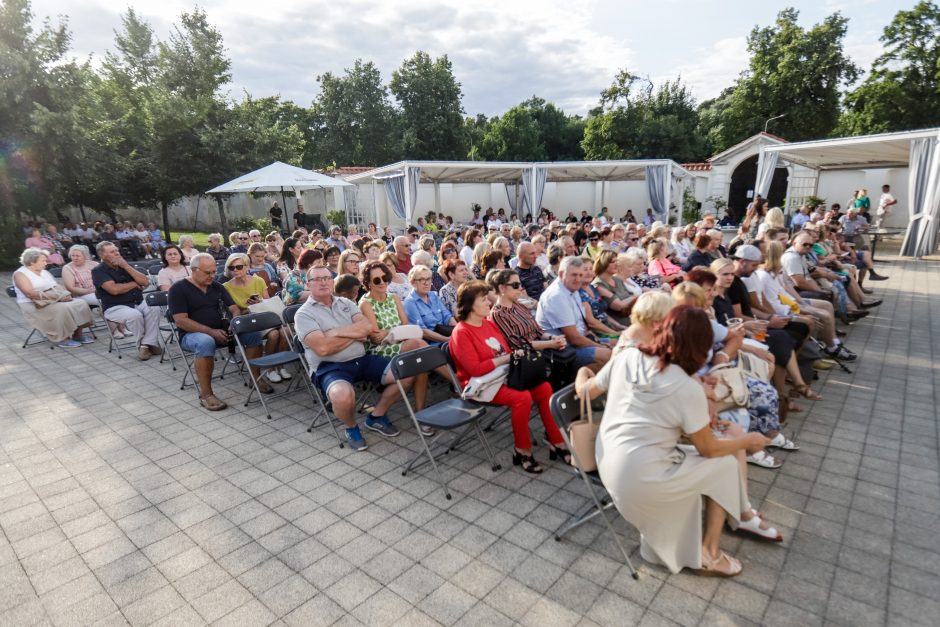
54	294
583	435
730	388
754	365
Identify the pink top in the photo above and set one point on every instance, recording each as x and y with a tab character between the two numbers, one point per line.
663	267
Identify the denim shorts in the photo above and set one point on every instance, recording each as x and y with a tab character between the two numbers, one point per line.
584	356
204	345
371	368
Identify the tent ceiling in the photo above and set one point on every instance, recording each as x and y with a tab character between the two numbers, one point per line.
870	151
503	172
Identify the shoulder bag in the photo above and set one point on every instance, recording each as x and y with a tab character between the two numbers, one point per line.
482	389
730	388
583	436
527	369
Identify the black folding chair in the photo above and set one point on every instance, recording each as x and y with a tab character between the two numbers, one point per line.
322	407
168	330
447	415
11	292
566	408
261	322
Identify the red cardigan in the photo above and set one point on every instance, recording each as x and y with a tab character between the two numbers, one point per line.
470	352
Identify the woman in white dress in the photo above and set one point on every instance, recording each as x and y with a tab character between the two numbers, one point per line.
657	485
48	307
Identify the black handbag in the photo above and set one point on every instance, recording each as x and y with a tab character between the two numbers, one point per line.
561	366
527	369
443	329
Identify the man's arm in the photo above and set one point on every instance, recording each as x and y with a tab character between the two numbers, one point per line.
575	338
184	322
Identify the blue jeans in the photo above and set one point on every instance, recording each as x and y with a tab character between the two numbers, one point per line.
369	368
584	356
203	344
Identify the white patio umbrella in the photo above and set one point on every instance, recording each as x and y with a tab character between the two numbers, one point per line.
279	177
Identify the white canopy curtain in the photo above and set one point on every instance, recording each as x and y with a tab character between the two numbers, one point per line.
533	188
512	193
658	184
402	191
766	166
924	194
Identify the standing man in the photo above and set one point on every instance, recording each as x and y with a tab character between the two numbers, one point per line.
300	218
196	304
276	214
119	287
884	205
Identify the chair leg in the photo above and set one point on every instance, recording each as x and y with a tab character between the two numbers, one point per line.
427	450
486	446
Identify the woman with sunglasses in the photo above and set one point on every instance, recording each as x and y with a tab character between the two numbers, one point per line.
385	312
515	320
247	289
173	267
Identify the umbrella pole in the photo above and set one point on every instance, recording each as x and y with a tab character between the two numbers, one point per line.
284	207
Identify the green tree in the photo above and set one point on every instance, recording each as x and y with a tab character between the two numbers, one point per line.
902	92
429	98
559	133
794	71
639	122
475	129
514	136
353	122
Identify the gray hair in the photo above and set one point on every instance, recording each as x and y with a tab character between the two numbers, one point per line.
422	258
573	261
32	255
401	239
198	257
186	238
100	248
213	236
82	249
633	255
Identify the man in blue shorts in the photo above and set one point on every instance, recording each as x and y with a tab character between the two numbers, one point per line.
196	304
560	312
334	332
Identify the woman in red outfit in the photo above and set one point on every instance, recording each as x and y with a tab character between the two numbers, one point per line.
477	347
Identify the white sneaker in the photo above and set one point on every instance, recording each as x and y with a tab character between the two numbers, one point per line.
118	335
285	374
273	376
127	333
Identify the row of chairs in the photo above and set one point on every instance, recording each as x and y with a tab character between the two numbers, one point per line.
452	418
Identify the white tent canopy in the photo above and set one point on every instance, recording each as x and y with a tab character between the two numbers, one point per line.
919	151
278	177
401	179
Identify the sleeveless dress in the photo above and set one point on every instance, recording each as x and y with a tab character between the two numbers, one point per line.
386	314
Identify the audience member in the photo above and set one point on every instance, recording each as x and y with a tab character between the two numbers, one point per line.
119	288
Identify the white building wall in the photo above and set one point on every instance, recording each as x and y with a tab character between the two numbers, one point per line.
838	185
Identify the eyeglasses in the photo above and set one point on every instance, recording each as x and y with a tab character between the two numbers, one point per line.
379	280
514	285
426	279
319	279
242	239
239	266
352	260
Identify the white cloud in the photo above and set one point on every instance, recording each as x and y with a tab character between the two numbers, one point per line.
716	67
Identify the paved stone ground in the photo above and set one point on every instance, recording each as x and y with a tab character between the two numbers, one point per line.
122	501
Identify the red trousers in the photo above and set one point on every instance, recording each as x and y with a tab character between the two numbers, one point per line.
521	405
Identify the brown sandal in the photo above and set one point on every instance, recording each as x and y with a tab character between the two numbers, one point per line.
710	567
212	403
807	392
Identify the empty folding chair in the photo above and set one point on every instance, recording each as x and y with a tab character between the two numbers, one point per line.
168	330
448	415
566	408
261	322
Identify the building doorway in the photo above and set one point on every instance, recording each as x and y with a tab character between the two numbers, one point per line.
742	182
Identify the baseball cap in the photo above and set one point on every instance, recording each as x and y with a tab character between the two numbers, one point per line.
748	253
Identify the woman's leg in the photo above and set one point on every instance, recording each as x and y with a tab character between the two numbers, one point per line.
542	395
520	403
714	521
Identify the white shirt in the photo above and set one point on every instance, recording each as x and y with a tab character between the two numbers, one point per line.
40	283
770	289
883	207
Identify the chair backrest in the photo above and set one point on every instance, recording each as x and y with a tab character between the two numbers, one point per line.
154	270
290	312
566	406
156	299
419	361
261	321
11	291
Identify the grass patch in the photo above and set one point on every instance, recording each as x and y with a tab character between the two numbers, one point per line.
201	240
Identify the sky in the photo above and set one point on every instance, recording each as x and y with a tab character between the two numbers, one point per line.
502	51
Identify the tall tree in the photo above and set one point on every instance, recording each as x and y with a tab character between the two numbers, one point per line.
513	136
793	71
353	121
638	121
902	92
429	96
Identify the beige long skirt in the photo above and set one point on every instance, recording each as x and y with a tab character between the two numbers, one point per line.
58	321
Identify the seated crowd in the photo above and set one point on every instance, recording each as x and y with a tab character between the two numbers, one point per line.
701	350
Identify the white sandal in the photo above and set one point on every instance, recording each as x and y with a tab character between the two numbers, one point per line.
764	460
780	441
710	567
753	527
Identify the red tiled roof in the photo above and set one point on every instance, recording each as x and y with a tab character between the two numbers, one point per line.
351	169
697	167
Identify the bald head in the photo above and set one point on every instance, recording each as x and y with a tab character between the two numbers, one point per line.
527	254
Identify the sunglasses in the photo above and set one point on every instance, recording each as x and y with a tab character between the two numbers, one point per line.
242	239
239	266
514	285
379	280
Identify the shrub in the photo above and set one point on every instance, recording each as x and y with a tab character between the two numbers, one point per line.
247	223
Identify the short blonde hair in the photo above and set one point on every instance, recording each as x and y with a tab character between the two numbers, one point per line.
416	270
689	293
650	308
236	257
774	218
